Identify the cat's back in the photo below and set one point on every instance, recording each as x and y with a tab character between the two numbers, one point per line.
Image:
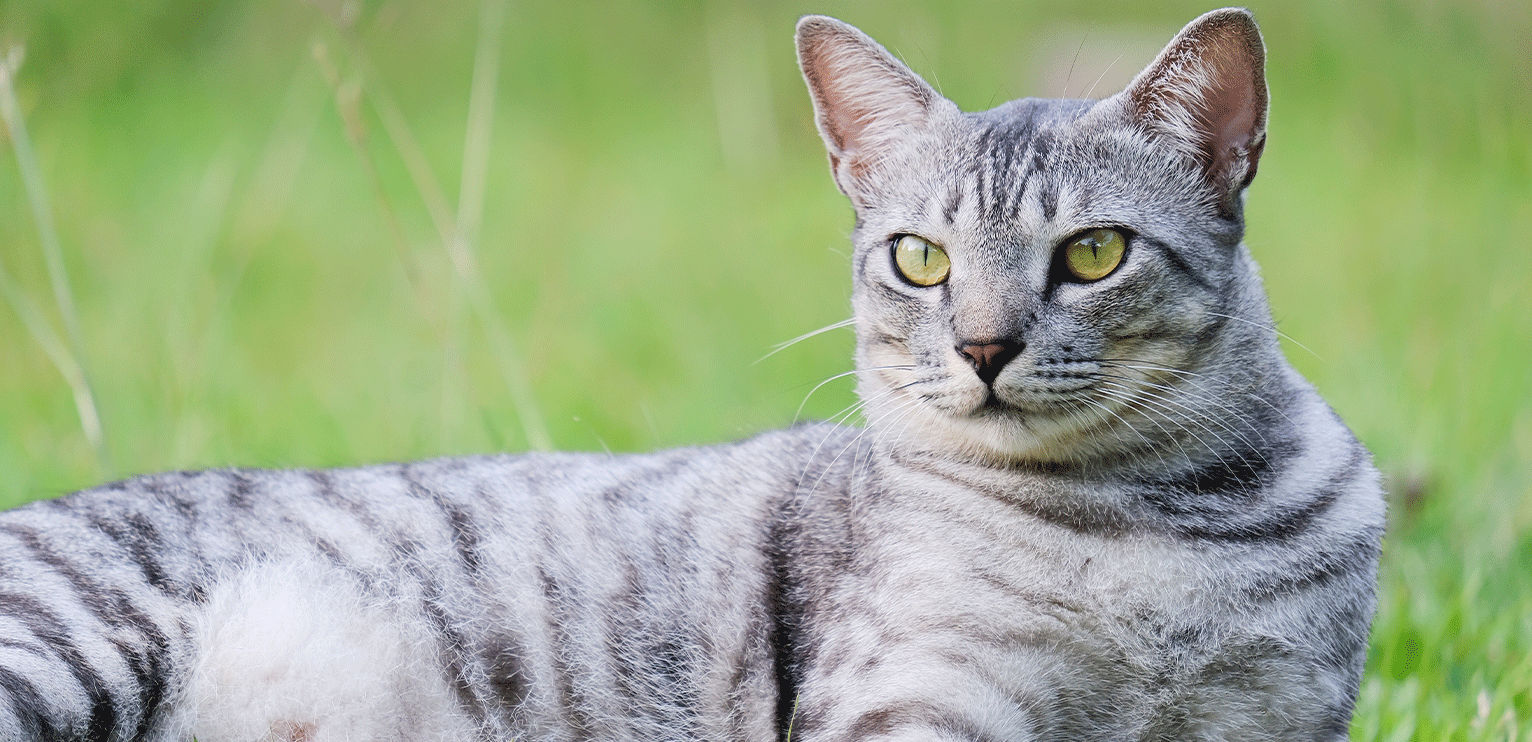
530	495
547	596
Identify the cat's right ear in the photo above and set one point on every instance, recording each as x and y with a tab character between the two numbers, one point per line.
867	104
1206	95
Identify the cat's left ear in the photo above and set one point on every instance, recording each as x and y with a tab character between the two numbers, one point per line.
1206	94
871	109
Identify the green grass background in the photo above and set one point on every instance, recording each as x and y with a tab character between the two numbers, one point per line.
259	279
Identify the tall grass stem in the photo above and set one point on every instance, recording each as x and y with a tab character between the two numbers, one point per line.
474	177
67	354
459	234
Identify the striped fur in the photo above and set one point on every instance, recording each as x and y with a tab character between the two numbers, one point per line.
1147	527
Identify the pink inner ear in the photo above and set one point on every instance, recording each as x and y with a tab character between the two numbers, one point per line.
863	95
1232	107
817	69
859	91
867	103
1208	90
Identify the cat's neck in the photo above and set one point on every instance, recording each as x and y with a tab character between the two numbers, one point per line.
1219	426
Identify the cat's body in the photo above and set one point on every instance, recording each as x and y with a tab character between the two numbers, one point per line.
1092	500
548	597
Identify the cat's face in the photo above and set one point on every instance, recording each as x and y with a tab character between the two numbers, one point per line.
1048	279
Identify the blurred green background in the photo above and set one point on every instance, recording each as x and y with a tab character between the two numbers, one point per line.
314	234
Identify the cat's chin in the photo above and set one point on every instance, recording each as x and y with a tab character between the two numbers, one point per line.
995	432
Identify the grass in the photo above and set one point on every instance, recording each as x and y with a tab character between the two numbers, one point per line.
65	352
267	264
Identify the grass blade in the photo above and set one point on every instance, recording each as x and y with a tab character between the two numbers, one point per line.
67	354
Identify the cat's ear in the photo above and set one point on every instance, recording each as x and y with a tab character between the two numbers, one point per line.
867	104
1206	94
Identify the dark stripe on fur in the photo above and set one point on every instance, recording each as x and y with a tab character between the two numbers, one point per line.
954	202
508	678
149	667
570	701
453	648
890	293
1081	518
1359	553
888	720
27	705
623	651
135	534
48	627
1227	515
786	612
643	480
465	533
148	660
241	493
1180	263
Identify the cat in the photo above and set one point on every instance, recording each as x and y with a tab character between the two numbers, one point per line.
1091	501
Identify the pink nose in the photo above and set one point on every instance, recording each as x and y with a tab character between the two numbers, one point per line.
989	358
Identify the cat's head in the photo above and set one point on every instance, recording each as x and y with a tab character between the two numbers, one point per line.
1050	280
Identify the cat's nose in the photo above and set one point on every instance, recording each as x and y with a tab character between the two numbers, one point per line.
989	357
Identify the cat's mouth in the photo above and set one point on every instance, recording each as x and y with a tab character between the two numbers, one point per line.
993	404
1021	400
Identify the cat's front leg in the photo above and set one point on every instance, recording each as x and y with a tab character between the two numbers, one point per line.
910	702
914	721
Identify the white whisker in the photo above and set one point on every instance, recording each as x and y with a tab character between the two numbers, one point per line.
905	407
1142	407
779	347
843	375
1272	327
1148	444
1165	408
1102	76
1190	411
1192	378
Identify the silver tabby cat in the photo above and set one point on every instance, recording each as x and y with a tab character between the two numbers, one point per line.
1092	501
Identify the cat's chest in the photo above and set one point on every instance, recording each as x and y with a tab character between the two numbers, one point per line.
1149	623
1001	561
1130	593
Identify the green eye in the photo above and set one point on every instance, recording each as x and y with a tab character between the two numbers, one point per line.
921	262
1094	255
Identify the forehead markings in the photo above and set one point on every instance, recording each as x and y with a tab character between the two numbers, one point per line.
954	202
1008	154
1041	149
1083	197
998	146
